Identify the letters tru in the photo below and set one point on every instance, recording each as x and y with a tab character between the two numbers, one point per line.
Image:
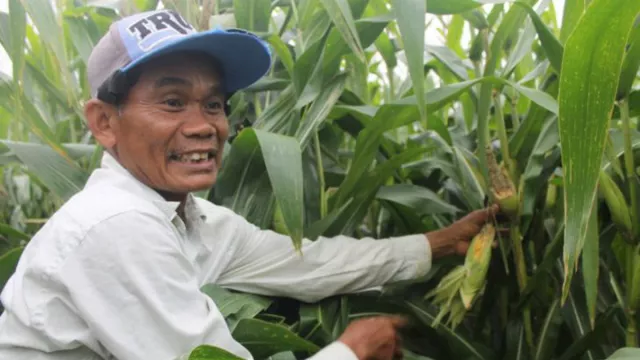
142	28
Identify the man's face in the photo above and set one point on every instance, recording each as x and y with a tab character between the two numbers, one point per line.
171	131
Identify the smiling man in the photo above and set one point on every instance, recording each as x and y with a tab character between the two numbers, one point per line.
116	272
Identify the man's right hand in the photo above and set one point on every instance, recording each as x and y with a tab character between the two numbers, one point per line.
375	338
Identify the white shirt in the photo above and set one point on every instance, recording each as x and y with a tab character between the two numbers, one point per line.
116	274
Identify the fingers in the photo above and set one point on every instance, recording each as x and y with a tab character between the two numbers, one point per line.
398	321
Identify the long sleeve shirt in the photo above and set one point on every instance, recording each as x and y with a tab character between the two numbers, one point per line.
115	273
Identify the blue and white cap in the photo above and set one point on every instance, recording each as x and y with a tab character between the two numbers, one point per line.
243	57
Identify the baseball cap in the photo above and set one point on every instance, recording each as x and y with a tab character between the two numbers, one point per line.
243	57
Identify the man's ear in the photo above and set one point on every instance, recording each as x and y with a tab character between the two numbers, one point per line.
100	116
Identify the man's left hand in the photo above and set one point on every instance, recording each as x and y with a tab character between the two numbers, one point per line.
455	239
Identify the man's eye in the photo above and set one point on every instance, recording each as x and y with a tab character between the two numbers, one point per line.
174	102
214	105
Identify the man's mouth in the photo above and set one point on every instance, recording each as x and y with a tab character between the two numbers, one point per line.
194	156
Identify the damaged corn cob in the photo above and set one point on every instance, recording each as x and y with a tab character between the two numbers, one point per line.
502	188
456	292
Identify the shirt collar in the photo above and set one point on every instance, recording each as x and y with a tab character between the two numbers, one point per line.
110	166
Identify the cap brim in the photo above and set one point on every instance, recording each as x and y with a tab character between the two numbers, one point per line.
244	58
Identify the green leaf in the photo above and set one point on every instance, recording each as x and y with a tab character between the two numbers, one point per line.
456	340
630	65
8	263
235	306
18	23
79	32
264	339
340	13
588	340
10	232
586	98
421	200
388	117
551	45
549	333
320	109
445	7
252	15
283	53
208	352
625	354
450	60
573	10
410	16
516	342
146	5
591	264
285	177
63	177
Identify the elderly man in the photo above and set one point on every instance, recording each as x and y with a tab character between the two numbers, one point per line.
116	272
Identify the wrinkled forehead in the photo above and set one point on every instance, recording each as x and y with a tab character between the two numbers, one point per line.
192	66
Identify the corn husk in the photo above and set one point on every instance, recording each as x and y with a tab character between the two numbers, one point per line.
457	291
279	225
477	264
616	203
502	188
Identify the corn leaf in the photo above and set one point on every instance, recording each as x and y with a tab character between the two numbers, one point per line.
591	265
421	200
630	65
549	333
445	7
410	15
18	19
252	15
508	27
209	352
264	339
282	52
586	98
573	10
467	349
63	177
285	177
341	16
8	263
320	109
551	45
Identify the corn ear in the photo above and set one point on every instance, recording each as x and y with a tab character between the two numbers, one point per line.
550	199
502	188
279	225
615	202
477	264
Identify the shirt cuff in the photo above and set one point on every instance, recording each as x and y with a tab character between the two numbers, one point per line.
416	251
335	351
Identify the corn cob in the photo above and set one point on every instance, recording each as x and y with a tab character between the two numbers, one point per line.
615	202
456	292
502	188
476	264
279	225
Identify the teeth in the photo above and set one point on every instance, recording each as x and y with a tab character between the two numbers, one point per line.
194	157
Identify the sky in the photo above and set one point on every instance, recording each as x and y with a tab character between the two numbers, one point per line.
431	35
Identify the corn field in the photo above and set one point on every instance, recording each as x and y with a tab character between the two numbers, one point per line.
364	128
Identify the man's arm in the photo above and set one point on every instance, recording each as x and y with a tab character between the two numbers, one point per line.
265	262
138	294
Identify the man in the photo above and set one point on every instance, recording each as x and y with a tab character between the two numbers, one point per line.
116	272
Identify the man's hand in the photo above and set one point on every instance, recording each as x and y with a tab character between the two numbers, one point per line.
455	239
375	338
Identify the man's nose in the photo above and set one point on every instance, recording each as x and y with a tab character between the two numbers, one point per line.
199	126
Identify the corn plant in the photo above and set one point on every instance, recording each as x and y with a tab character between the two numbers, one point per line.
513	108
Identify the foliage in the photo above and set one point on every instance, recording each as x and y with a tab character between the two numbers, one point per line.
386	135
